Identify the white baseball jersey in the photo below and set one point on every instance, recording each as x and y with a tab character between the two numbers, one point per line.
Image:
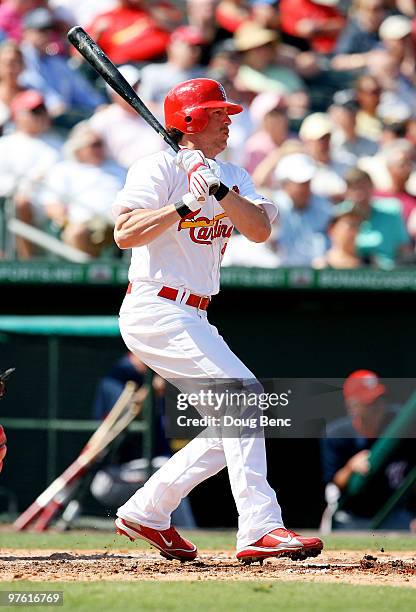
189	253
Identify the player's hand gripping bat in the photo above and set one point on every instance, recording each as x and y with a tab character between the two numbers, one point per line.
95	56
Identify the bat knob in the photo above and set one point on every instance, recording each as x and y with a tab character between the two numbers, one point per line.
213	189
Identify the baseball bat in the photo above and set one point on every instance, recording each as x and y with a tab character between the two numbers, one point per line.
106	432
95	56
102	445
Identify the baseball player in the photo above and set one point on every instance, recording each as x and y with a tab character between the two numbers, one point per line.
178	234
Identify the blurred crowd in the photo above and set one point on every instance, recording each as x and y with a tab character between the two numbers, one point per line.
328	129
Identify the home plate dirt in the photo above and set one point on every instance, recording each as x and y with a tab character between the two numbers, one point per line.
332	566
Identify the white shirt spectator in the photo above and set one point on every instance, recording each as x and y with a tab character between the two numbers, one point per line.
87	190
158	79
83	12
127	136
242	252
328	181
24	162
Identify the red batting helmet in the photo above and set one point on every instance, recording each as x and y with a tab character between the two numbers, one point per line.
186	104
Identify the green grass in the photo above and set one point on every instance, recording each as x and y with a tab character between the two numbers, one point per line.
210	540
224	596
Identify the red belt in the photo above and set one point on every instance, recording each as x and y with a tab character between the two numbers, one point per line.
197	301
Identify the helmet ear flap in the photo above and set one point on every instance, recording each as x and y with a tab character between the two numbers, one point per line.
195	120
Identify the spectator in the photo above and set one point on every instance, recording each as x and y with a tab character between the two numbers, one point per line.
303	216
269	111
407	7
398	158
397	100
110	386
346	146
368	94
224	62
129	33
184	54
394	69
63	21
311	24
395	130
382	238
83	12
266	13
260	71
230	14
201	15
360	36
81	190
125	134
241	127
396	35
242	252
346	450
167	13
342	231
25	157
408	130
315	133
64	90
11	15
375	165
264	176
11	66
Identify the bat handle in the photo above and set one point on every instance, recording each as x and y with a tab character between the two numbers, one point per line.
212	191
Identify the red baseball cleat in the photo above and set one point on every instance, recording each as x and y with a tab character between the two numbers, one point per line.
281	543
168	541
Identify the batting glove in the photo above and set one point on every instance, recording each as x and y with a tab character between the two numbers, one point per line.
190	160
201	182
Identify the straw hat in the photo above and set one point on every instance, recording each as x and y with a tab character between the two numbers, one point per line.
250	36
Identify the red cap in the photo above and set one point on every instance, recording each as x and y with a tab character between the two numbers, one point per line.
26	100
363	386
188	34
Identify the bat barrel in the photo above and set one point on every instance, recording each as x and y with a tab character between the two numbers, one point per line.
95	56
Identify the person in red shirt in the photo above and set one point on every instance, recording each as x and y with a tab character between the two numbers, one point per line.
129	33
316	22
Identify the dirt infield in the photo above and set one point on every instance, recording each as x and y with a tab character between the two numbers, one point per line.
353	567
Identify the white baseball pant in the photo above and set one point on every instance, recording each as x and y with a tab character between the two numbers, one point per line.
177	341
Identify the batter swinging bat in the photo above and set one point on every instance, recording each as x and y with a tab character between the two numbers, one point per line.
95	56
